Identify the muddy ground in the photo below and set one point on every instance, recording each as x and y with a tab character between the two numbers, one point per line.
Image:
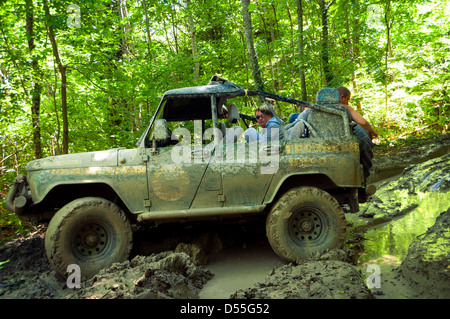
175	261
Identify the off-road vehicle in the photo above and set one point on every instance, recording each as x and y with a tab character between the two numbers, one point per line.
191	164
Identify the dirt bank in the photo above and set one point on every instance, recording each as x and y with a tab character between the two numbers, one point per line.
171	273
172	261
427	266
331	275
390	161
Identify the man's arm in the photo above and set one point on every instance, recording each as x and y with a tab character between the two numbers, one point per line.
362	121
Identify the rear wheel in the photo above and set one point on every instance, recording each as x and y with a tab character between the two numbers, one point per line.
90	232
305	221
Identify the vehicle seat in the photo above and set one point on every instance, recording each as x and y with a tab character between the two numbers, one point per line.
296	131
326	124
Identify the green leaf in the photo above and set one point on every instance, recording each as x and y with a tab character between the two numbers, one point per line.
252	7
3	262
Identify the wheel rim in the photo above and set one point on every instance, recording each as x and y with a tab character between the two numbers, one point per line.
91	240
306	226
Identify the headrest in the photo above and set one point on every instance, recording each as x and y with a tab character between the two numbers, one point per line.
328	96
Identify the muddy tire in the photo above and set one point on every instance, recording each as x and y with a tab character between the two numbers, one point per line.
304	222
90	232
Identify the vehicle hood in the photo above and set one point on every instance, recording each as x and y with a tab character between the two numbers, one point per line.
88	159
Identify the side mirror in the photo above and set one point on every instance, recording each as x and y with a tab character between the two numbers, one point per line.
161	132
160	135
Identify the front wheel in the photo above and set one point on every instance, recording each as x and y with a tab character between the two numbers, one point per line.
90	232
305	221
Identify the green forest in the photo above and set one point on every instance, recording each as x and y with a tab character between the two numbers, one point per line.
87	75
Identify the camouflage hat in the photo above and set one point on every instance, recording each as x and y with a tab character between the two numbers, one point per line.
328	96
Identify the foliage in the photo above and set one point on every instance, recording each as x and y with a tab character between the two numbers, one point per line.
3	262
393	56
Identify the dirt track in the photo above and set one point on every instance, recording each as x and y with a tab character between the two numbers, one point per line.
174	261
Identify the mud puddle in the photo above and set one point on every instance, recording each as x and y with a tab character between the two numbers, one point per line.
387	245
239	268
389	242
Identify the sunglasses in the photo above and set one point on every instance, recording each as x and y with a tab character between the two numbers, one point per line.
259	117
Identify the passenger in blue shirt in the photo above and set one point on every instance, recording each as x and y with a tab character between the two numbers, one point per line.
272	129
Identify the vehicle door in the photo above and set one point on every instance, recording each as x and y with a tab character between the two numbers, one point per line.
247	171
174	174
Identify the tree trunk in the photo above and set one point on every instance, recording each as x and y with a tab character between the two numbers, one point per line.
36	78
324	6
147	24
273	36
388	54
356	51
173	13
353	41
193	42
57	150
253	58
300	49
242	38
293	47
62	71
127	40
269	49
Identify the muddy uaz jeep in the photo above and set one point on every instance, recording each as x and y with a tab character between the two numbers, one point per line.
194	162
